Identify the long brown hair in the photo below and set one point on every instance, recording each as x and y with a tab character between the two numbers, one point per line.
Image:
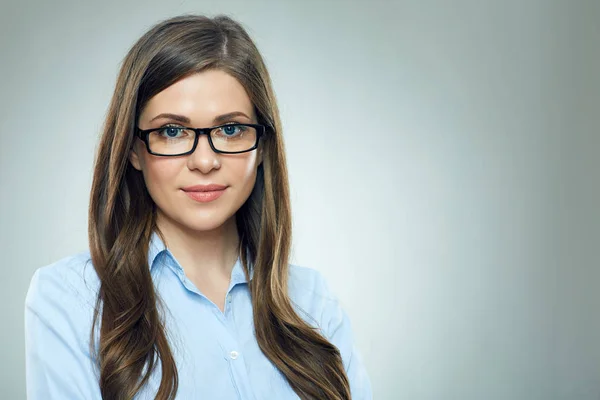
122	217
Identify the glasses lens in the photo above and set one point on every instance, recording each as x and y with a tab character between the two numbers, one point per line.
234	137
171	140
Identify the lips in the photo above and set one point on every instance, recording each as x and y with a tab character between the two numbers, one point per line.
205	197
205	193
205	188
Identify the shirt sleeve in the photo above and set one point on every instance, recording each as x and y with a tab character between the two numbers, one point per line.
338	330
58	363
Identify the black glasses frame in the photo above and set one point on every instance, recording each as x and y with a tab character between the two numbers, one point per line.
145	133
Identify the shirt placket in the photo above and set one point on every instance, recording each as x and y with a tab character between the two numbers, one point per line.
233	354
227	335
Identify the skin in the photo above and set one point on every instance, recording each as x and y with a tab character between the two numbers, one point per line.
202	236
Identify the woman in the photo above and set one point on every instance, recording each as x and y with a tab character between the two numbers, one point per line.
186	290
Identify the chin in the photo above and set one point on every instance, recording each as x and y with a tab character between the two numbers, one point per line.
200	218
203	222
204	226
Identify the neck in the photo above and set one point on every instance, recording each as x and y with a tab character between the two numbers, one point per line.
202	254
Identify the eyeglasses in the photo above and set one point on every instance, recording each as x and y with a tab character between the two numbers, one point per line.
175	140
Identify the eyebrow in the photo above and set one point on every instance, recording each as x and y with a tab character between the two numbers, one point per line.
185	120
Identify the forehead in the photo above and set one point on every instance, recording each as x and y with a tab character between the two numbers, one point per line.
201	97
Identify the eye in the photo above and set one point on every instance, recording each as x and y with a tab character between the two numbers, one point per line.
232	129
171	132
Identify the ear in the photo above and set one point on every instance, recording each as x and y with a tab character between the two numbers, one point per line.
134	158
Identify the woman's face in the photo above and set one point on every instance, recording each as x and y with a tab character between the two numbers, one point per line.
202	98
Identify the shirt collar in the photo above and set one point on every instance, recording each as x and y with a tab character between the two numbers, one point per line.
157	247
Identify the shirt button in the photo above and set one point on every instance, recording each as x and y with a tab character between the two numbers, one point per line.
233	355
229	298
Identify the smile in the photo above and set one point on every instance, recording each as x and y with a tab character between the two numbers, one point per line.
205	197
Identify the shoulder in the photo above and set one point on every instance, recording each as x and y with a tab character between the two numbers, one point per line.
69	284
312	297
59	312
306	279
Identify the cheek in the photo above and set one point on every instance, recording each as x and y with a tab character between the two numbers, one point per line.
243	170
160	174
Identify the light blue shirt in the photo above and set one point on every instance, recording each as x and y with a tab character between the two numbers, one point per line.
216	352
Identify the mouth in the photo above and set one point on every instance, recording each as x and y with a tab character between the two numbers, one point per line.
205	188
205	193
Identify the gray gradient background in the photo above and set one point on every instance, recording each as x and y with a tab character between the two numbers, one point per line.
443	157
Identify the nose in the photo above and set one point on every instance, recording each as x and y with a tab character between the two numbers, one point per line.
204	158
